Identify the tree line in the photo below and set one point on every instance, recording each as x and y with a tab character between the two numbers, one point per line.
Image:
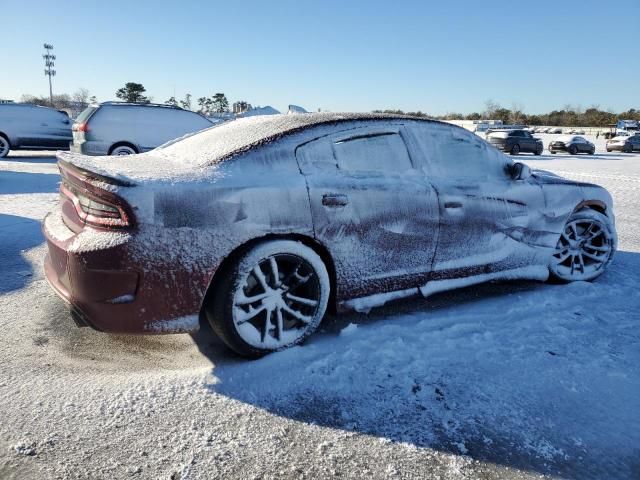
134	93
568	116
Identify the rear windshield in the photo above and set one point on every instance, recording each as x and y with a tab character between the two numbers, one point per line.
86	113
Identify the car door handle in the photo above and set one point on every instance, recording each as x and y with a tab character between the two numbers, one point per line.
452	204
334	200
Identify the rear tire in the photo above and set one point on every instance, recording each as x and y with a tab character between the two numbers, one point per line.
538	152
272	298
573	150
515	150
552	152
4	146
121	150
628	150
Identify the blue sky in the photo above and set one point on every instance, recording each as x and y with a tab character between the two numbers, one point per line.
437	57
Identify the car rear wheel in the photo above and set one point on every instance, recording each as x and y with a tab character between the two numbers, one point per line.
274	297
123	150
585	247
4	147
573	150
515	150
628	149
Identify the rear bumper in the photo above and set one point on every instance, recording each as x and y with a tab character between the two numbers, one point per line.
89	148
109	291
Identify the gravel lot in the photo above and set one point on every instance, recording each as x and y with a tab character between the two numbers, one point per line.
501	381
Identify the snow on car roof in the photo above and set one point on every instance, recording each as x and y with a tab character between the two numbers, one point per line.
227	140
188	155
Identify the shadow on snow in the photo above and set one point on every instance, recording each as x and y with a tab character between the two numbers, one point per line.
16	235
28	182
535	376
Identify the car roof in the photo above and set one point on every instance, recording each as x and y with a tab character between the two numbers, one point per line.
228	139
132	104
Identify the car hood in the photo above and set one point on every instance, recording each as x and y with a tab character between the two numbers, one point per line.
545	177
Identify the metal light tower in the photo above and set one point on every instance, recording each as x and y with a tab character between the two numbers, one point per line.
49	64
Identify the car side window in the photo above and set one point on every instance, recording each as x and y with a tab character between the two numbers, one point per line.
447	151
372	151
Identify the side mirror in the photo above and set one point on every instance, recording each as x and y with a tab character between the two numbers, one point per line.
520	171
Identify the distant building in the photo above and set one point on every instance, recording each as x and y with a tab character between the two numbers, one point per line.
477	125
268	110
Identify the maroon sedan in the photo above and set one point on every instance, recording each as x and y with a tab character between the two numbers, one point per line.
260	224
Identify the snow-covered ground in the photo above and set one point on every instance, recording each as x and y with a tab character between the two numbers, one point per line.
497	381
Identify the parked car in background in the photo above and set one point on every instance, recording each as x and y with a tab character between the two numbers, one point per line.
262	223
31	127
624	143
554	130
117	128
572	144
515	142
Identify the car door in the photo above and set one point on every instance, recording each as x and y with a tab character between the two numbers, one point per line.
371	208
489	223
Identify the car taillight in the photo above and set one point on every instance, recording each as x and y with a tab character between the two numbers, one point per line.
94	210
80	127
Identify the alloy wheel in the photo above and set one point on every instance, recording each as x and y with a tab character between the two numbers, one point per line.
583	250
4	147
277	301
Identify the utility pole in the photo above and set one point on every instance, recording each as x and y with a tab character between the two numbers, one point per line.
49	64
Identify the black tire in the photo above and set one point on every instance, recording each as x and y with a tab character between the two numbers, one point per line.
573	150
515	150
628	150
593	151
552	152
609	150
232	295
123	149
5	146
538	151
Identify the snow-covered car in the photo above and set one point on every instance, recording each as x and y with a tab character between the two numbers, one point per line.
554	130
261	224
624	143
31	127
572	144
119	128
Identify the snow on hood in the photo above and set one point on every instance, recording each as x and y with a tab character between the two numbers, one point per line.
190	155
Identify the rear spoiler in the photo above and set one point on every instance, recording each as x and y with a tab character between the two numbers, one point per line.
89	175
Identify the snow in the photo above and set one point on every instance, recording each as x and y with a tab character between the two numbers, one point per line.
495	381
175	325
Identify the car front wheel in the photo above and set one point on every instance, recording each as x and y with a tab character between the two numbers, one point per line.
585	247
515	150
274	297
573	150
4	147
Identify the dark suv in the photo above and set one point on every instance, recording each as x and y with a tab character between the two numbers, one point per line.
515	141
